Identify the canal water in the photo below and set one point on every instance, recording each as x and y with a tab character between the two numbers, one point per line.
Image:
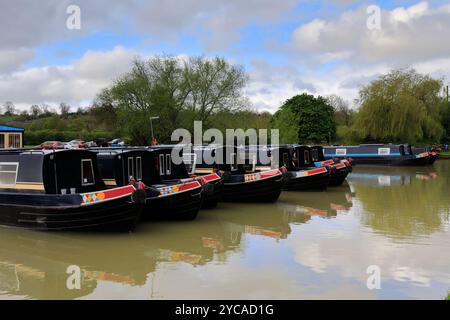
386	222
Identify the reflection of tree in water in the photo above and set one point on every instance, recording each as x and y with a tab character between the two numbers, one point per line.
417	209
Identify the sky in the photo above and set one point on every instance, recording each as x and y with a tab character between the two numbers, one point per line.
287	47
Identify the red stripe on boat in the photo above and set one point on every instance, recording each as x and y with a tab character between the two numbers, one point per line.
324	163
211	177
105	195
316	171
339	165
270	173
189	186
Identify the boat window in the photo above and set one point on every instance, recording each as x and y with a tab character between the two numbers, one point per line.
233	161
2	141
139	168
87	172
8	173
131	168
286	159
190	161
315	154
162	165
168	164
306	154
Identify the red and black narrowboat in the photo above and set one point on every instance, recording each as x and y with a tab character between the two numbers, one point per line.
340	168
378	154
300	174
62	190
184	172
242	182
163	200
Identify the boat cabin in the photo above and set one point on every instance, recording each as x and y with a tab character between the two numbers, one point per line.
293	157
368	150
317	154
117	166
49	171
224	158
167	169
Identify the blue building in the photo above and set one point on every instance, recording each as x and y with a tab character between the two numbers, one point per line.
11	137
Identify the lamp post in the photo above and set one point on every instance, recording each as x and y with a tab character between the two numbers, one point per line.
151	126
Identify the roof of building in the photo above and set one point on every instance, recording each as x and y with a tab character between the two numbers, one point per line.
10	129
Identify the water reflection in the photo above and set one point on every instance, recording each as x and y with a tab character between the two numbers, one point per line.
307	245
407	203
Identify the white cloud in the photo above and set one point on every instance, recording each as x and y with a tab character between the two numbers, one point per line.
69	83
407	35
11	59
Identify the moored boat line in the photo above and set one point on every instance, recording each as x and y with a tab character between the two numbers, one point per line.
103	189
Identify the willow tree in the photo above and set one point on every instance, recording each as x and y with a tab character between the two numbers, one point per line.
402	105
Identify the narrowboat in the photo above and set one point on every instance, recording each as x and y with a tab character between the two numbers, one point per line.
242	182
340	168
61	190
300	174
163	200
171	172
432	155
378	154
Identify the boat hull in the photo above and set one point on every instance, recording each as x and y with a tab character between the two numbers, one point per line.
264	190
61	213
178	206
389	160
339	173
213	194
313	182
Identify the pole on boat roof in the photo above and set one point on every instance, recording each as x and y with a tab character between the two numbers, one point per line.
151	127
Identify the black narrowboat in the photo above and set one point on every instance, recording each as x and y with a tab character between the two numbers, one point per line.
340	168
242	182
378	154
171	172
300	174
62	190
163	200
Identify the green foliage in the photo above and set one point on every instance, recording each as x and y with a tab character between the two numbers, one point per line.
445	121
177	91
400	106
309	119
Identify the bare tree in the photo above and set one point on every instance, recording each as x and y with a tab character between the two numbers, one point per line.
10	108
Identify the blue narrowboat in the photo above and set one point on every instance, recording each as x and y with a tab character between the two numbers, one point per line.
378	154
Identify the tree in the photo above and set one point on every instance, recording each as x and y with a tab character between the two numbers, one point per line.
64	108
212	85
9	107
35	111
177	90
342	113
305	118
401	106
445	121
